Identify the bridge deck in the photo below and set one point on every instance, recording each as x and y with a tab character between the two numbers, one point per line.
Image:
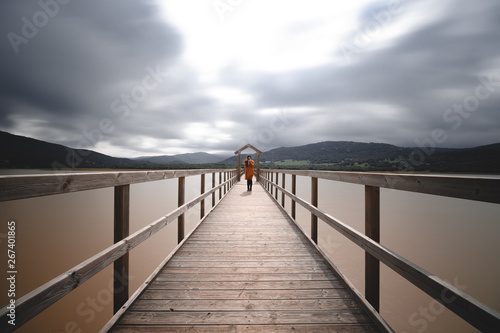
247	268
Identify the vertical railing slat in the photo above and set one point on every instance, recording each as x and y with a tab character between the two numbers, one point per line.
372	230
314	202
121	231
283	193
202	190
294	190
277	183
180	201
213	193
220	182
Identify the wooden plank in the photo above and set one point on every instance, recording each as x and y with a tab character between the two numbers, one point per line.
274	328
246	270
245	277
245	257
464	187
351	316
29	186
323	304
247	294
249	285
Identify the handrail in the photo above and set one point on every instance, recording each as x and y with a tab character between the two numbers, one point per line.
29	186
481	189
31	304
463	187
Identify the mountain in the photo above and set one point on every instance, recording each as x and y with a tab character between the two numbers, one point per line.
19	152
164	159
190	158
358	156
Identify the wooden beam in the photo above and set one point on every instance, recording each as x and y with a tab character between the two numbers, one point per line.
239	166
372	230
314	202
121	231
29	186
202	203
213	186
294	191
220	188
277	183
180	201
283	193
463	187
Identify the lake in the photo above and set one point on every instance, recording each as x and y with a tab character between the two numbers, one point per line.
454	239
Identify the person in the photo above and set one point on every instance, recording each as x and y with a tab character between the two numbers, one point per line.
249	172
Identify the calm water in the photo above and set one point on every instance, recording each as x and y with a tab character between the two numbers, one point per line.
454	239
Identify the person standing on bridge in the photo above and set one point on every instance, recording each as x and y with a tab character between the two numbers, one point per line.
249	172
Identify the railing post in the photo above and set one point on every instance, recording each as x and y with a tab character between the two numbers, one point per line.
180	200
294	188
314	202
220	182
239	166
277	183
225	185
121	231
372	230
213	193
202	190
272	181
283	193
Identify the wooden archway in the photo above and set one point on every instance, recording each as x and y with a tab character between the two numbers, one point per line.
238	152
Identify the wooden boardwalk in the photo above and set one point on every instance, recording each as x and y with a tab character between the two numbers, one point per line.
247	268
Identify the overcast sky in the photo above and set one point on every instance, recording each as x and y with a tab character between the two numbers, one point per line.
132	78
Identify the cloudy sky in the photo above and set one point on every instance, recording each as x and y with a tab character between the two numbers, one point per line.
133	78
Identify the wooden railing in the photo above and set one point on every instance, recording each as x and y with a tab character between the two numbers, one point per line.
28	186
472	188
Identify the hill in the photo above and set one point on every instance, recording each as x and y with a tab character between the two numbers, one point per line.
358	156
190	158
19	152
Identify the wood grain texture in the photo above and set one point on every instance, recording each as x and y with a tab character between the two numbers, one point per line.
247	266
29	186
465	306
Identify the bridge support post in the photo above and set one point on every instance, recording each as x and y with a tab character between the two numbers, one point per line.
283	193
202	203
276	188
314	202
294	190
180	201
372	230
220	182
121	231
239	166
213	185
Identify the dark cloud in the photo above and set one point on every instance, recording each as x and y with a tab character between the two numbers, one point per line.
91	61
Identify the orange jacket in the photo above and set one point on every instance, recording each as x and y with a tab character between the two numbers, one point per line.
249	169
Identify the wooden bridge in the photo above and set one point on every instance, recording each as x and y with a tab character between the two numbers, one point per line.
248	266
